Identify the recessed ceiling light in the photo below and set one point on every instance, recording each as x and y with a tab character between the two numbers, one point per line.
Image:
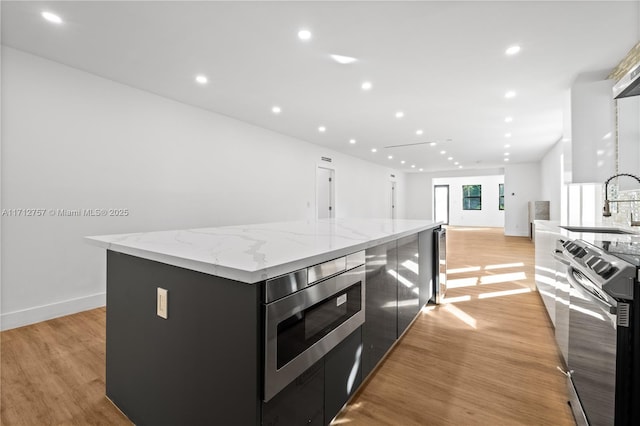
419	132
449	158
506	159
344	60
456	163
202	79
506	154
402	162
443	152
390	157
353	141
52	17
512	50
508	119
304	35
322	129
421	169
507	135
374	150
399	114
276	110
366	85
507	146
433	144
413	166
510	94
459	167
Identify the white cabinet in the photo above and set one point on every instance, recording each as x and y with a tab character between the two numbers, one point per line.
593	151
545	266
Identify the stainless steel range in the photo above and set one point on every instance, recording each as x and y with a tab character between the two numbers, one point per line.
603	351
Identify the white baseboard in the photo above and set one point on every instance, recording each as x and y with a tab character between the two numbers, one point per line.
36	314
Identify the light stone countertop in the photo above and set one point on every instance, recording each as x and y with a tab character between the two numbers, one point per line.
591	237
253	253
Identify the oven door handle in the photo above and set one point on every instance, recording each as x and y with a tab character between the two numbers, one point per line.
608	309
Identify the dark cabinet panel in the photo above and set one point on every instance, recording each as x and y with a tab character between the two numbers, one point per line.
426	262
408	283
380	328
300	403
200	365
342	374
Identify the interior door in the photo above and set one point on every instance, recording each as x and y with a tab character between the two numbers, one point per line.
441	203
324	192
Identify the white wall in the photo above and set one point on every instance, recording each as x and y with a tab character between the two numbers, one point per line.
521	185
419	193
551	179
72	140
490	215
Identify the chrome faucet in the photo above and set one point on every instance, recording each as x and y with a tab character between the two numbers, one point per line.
606	211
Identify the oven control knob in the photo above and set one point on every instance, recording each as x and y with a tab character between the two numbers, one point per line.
602	268
581	253
573	248
592	262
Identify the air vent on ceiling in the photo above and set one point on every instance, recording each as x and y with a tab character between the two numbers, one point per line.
327	159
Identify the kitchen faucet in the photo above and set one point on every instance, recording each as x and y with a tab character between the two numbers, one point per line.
606	211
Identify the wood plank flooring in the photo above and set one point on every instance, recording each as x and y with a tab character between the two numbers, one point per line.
486	358
52	373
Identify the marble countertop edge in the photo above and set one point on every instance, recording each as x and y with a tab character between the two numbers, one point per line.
248	274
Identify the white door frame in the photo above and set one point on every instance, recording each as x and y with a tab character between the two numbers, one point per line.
332	190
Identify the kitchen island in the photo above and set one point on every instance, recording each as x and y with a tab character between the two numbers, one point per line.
205	362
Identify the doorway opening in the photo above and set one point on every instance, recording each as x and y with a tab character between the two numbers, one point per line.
325	193
441	203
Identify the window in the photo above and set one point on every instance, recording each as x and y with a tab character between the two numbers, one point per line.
471	197
501	196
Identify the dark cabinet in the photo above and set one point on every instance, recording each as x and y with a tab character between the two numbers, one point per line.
300	403
342	374
408	281
380	328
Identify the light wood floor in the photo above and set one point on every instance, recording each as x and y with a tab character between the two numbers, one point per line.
487	357
476	361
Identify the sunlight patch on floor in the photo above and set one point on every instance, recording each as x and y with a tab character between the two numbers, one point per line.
462	316
503	278
456	299
463	270
505	265
503	293
462	282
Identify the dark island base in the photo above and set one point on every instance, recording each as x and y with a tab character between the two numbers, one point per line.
202	365
198	367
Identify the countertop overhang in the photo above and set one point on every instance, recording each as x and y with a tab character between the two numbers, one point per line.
254	253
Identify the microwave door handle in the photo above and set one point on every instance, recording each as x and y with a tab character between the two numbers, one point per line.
608	309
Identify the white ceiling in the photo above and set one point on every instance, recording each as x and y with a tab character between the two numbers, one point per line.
441	63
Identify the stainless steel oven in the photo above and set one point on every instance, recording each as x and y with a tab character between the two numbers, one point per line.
602	337
307	313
